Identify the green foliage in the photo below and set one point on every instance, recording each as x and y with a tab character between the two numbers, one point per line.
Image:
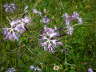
76	55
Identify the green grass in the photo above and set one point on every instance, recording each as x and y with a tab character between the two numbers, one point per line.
81	46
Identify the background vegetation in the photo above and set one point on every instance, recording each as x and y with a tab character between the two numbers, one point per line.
76	55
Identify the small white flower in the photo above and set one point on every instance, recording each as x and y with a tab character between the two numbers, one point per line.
11	70
35	11
79	20
69	30
56	67
34	68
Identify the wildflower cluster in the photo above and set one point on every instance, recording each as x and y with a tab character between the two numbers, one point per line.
49	36
18	27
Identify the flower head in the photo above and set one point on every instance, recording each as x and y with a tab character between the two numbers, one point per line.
56	67
11	70
10	34
45	20
48	40
69	19
24	21
74	16
90	70
10	7
69	29
34	68
20	28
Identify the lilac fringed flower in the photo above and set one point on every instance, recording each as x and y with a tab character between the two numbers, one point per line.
24	21
20	28
48	40
45	20
10	34
74	16
13	23
11	70
69	18
90	70
10	7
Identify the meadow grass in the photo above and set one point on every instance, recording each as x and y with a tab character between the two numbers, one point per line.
79	50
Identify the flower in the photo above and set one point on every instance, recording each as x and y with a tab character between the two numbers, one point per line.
11	70
74	16
69	18
34	68
45	20
51	32
20	28
10	7
48	41
90	70
10	34
13	23
56	67
69	30
35	11
26	20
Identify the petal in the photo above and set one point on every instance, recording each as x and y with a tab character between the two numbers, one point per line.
20	28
